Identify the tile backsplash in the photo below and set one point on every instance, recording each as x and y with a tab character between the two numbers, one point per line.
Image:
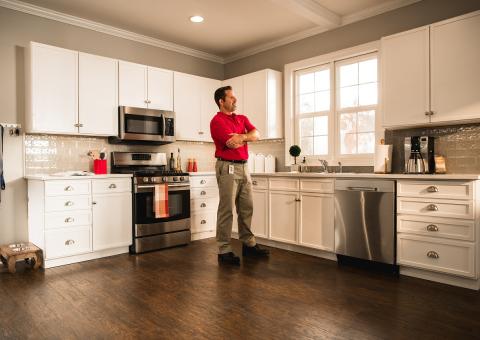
459	144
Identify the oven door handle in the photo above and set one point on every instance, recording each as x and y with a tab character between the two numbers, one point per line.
150	188
163	126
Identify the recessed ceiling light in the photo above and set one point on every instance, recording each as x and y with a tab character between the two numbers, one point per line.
196	18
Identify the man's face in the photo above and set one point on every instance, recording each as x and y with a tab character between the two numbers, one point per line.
229	103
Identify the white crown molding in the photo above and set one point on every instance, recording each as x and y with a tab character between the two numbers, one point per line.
98	27
345	20
311	10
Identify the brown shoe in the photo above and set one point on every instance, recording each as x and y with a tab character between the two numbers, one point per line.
255	251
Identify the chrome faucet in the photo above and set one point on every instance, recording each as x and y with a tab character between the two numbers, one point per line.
340	170
324	165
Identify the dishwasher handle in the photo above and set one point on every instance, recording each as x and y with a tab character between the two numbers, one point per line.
361	189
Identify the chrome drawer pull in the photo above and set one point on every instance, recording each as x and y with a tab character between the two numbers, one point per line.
69	242
200	132
203	205
112	186
203	222
432	188
68	203
203	193
254	182
68	188
203	181
433	255
69	220
432	227
432	207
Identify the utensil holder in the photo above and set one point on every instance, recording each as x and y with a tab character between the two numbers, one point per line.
100	166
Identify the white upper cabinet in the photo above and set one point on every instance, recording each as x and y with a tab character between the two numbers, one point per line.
194	106
52	93
405	78
144	86
430	74
98	95
259	97
455	67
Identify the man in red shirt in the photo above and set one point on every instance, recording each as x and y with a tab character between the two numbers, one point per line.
231	132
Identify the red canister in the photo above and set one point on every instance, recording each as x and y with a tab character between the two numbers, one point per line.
100	166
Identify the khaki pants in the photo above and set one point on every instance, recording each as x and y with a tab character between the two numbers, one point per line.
234	190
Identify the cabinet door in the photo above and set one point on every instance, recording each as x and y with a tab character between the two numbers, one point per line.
260	213
255	100
283	216
98	95
237	87
455	55
112	230
405	78
54	90
187	105
316	221
160	89
209	107
132	84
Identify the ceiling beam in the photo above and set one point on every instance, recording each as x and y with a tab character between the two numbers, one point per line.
313	11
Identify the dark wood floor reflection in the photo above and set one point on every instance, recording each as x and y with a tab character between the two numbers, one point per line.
182	293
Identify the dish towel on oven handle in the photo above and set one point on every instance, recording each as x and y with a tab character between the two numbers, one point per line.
2	180
160	200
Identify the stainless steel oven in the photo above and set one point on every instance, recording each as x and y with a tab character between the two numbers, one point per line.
145	126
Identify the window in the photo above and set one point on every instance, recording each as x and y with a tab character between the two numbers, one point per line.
335	109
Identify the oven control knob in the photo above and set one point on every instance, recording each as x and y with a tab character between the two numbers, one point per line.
182	179
164	179
145	179
175	179
152	179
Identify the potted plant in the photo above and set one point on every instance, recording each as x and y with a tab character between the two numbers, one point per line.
295	151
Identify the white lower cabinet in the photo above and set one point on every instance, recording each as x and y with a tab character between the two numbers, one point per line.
283	216
203	206
79	220
316	225
260	213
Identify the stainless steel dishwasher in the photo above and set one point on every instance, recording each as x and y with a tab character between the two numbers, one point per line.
365	219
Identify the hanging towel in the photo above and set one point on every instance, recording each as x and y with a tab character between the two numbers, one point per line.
160	201
2	179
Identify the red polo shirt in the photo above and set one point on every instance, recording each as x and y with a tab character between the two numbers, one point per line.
220	128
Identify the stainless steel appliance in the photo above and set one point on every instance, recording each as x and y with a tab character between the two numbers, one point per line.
144	126
419	155
365	219
150	232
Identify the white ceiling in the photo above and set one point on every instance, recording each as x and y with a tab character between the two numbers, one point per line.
232	28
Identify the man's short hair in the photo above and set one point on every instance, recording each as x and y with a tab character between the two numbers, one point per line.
220	93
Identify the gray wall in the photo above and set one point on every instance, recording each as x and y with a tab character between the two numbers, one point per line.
418	14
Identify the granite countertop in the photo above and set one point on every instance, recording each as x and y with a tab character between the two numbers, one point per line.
46	177
202	173
371	175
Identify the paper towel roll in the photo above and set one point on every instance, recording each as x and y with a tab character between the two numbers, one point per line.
383	159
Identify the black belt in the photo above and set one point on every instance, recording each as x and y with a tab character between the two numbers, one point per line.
241	161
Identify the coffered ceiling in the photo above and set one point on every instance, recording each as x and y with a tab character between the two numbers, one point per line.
232	28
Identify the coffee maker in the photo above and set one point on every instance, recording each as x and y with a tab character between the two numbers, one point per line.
419	155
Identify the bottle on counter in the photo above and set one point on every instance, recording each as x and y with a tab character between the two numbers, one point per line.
171	164
194	167
190	165
179	161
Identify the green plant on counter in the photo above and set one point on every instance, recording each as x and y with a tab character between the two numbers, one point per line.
295	151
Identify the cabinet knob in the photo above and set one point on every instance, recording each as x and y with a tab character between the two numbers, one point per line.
145	101
433	254
112	186
432	207
203	192
69	220
94	203
432	227
432	188
203	222
203	181
69	242
68	188
203	205
200	132
427	113
254	182
68	203
298	200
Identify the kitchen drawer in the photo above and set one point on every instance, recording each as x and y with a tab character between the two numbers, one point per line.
436	189
447	256
208	192
203	204
68	219
67	203
437	227
259	182
286	184
67	242
206	221
437	207
63	188
326	186
203	181
111	185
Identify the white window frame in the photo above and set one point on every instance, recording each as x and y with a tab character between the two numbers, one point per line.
291	128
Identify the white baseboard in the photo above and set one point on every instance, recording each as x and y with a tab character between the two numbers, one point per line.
85	257
442	278
202	235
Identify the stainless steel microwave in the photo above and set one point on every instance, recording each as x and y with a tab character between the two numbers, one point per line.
144	126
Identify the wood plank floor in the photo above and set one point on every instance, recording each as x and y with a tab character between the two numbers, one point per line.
182	293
